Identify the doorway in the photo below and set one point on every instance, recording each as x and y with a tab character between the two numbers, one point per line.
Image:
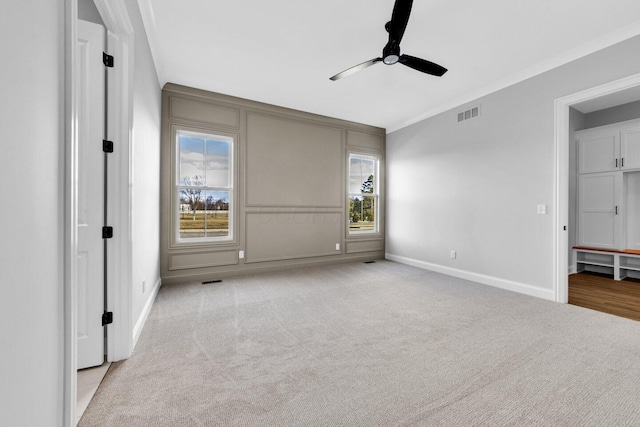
119	43
609	94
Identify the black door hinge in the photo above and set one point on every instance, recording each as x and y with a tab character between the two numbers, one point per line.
107	60
107	318
107	232
107	146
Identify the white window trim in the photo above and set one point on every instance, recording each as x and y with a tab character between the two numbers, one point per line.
375	194
182	130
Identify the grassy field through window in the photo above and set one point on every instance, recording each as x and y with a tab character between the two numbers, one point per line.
362	226
211	224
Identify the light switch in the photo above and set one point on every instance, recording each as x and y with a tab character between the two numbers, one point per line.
542	209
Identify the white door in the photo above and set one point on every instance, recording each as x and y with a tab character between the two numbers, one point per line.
91	92
630	148
600	213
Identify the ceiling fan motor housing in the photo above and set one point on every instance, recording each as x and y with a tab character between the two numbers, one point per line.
391	52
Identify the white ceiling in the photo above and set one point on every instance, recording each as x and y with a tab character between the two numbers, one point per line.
283	51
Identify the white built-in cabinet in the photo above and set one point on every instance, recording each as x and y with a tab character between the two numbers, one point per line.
608	171
609	148
600	213
608	211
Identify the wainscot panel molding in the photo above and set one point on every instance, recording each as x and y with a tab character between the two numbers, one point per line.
364	246
200	259
289	198
364	140
306	152
204	112
288	235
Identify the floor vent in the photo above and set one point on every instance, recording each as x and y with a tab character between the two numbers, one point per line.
471	113
212	281
369	262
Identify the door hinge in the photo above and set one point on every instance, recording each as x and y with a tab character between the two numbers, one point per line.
107	318
107	60
107	146
107	232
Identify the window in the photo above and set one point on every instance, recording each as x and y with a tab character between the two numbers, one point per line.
204	186
363	194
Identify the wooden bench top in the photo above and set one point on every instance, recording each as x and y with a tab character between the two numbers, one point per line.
619	251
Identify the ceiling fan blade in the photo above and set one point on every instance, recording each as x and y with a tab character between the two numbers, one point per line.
354	69
422	65
399	19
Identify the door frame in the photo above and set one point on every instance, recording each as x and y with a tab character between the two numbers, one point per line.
561	214
120	44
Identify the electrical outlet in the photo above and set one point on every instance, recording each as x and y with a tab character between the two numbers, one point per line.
337	246
241	254
452	254
144	286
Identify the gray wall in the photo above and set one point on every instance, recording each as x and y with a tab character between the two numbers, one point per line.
145	163
31	252
290	187
612	115
474	187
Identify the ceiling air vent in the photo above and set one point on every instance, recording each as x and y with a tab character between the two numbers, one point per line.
471	113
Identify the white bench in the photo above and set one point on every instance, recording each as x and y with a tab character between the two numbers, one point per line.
619	263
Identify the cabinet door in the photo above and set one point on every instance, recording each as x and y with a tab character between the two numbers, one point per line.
630	148
633	211
599	210
598	152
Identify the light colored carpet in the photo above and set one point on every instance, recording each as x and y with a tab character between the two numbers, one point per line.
379	344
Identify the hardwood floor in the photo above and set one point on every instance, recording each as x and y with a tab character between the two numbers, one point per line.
599	292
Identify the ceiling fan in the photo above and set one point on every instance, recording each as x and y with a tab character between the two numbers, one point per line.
391	52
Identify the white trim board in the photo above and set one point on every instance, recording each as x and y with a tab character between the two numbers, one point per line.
137	330
603	42
561	213
70	150
496	282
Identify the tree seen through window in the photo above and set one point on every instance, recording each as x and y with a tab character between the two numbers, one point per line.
363	193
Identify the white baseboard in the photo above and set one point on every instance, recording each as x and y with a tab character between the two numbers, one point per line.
145	312
572	270
509	285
